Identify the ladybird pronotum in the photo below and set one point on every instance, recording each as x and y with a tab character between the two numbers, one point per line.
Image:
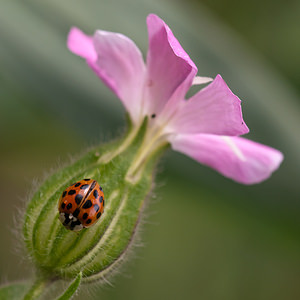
81	204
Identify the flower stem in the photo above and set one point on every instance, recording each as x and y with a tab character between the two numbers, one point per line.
126	143
37	288
152	141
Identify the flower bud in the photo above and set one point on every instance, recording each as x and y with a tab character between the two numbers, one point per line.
94	251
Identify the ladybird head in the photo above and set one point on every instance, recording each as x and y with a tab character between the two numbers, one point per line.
70	222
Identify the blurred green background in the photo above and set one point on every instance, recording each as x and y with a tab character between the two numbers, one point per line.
204	237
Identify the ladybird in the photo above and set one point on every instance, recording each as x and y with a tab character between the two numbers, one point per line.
81	204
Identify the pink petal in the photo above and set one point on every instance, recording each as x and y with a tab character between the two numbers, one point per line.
81	44
237	158
170	69
117	61
214	110
120	65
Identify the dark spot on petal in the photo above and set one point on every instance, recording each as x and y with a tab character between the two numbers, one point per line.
96	207
69	206
149	82
63	205
77	184
98	215
153	116
71	192
87	204
76	212
85	215
78	198
96	194
85	186
88	221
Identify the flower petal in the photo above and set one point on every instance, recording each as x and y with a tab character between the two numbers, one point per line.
237	158
213	110
81	44
117	61
168	67
120	62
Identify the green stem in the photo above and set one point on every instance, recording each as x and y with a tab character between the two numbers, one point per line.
153	140
107	157
37	288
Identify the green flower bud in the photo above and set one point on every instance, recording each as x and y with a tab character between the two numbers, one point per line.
125	170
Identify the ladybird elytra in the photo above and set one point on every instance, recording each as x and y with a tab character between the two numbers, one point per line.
81	204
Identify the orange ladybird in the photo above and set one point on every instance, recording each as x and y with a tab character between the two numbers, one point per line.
81	204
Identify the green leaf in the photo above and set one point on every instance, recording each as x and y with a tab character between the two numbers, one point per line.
72	288
13	291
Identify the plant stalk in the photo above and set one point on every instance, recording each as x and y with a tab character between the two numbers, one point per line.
37	288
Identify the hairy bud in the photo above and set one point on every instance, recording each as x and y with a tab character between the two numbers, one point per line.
94	251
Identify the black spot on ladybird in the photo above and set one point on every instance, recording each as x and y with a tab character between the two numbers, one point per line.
69	206
77	184
85	186
71	192
78	198
101	199
96	194
64	193
96	207
63	205
101	189
98	215
88	221
87	179
76	212
87	204
85	215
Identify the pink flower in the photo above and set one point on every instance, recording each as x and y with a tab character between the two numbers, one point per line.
205	127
